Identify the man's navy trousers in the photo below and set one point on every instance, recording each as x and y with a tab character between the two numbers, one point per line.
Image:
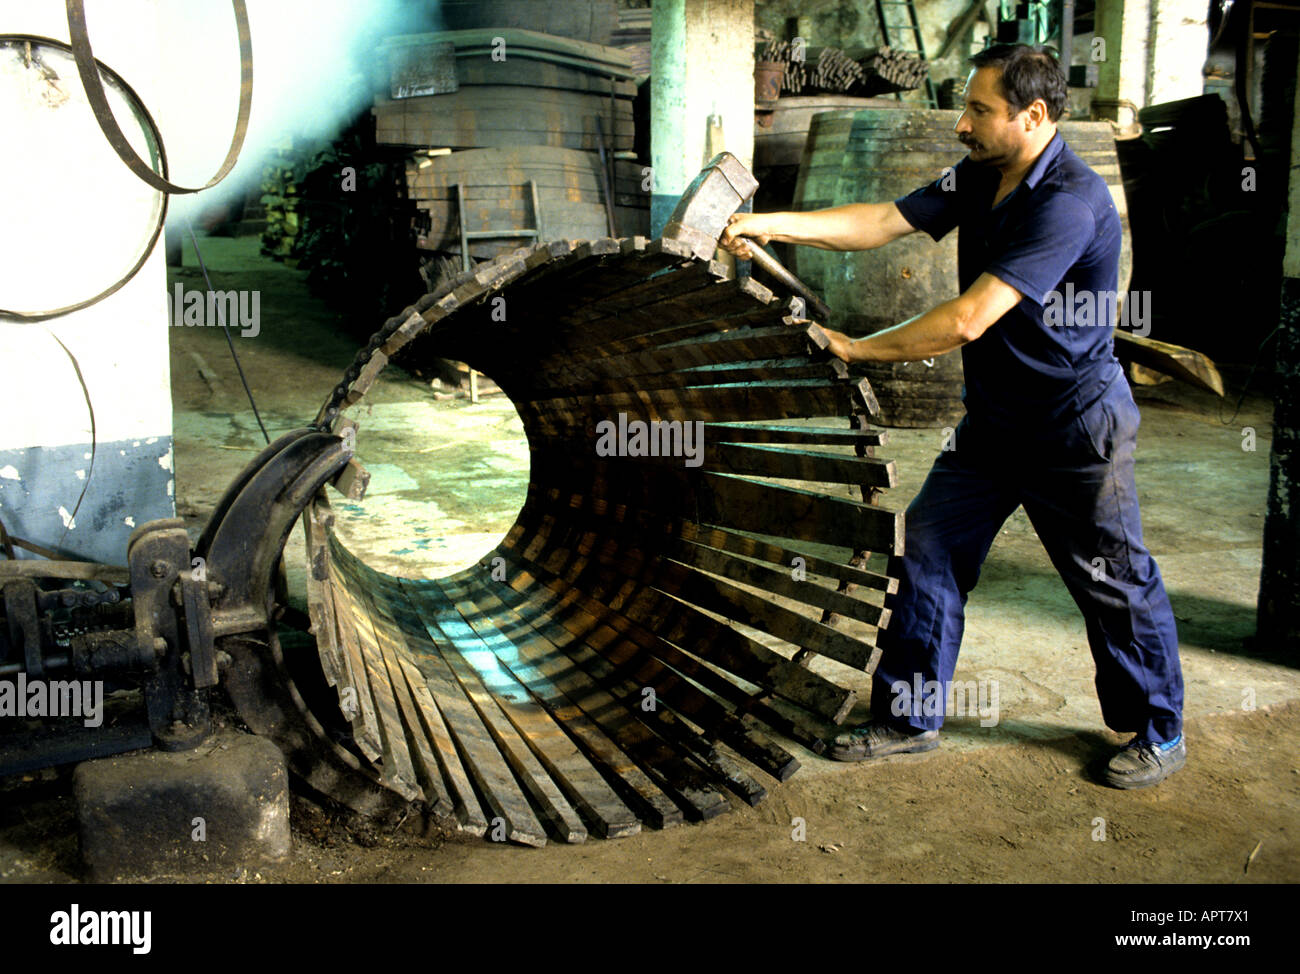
1080	497
1051	425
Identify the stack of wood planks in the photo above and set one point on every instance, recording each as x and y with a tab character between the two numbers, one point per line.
627	653
863	73
887	70
834	71
514	87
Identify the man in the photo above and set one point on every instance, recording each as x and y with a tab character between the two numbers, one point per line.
1050	422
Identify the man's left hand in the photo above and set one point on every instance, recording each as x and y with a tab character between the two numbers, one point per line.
841	345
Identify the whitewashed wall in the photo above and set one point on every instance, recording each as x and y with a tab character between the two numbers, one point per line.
121	343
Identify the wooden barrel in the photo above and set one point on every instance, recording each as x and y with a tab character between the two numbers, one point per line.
780	138
815	189
781	134
486	116
570	196
584	20
887	154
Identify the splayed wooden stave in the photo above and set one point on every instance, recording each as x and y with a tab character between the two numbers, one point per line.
627	651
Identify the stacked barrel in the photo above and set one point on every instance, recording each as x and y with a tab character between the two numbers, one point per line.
494	107
570	192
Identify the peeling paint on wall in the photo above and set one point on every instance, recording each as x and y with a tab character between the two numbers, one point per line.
127	487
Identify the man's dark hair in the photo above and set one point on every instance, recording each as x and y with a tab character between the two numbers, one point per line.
1028	73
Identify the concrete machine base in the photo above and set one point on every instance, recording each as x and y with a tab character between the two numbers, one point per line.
223	804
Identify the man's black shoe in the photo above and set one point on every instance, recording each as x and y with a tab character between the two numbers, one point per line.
1141	763
876	740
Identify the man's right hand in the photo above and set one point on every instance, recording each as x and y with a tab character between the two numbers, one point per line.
740	229
854	226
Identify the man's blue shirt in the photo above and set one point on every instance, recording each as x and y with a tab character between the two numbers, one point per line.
1059	227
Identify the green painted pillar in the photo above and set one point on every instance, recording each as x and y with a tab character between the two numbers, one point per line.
1122	68
702	62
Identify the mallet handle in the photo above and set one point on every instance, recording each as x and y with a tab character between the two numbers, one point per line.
774	268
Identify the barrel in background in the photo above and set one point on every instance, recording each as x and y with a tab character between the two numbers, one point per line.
816	188
887	154
593	21
781	136
570	197
548	90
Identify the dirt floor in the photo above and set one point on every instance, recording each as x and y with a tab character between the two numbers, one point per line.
1030	812
1019	802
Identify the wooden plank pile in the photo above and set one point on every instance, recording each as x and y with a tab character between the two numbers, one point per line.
655	615
514	87
888	70
862	73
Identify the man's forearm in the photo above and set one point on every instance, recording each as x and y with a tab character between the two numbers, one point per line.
939	330
943	328
855	226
